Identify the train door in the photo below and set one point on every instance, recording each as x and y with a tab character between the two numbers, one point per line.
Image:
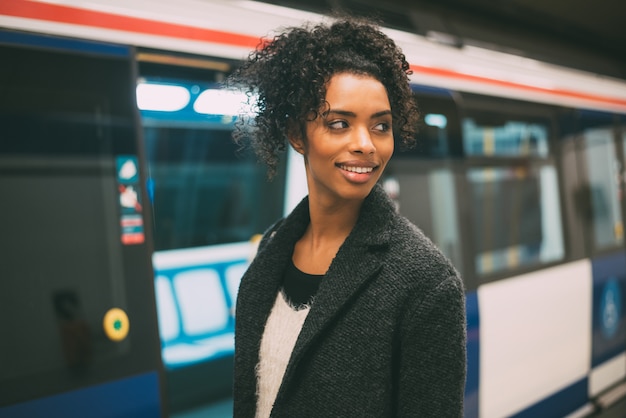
600	209
532	293
77	311
209	200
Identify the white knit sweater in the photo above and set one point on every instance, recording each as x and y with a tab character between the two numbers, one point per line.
279	337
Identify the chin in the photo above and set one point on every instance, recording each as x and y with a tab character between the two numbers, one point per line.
359	192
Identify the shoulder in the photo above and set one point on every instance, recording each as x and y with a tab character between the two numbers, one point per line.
408	240
408	253
415	259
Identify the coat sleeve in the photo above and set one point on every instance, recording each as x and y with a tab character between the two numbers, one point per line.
433	354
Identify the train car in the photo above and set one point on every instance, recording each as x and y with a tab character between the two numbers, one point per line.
519	177
77	307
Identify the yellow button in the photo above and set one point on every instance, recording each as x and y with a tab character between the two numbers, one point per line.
116	324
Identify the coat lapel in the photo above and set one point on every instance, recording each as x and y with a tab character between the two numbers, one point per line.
357	262
257	294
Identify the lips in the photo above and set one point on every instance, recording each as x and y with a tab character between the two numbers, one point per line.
358	172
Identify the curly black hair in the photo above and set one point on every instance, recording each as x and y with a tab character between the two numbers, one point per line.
288	76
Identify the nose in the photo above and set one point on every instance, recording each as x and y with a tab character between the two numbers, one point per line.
362	142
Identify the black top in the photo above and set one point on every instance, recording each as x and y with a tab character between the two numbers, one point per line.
300	287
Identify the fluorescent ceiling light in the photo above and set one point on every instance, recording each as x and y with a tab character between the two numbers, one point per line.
436	120
162	97
220	102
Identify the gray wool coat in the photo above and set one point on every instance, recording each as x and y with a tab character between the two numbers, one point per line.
385	336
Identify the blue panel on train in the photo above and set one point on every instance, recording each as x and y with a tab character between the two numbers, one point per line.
473	356
431	90
63	44
136	396
609	298
559	404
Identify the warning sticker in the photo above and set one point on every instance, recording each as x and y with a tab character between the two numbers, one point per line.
129	198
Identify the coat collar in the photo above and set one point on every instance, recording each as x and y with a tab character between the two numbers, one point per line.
372	231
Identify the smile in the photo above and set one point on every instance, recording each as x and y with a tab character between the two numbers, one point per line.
359	170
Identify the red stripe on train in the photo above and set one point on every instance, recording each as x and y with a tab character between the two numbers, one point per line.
73	15
439	72
77	16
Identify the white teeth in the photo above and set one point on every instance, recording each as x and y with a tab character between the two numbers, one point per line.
357	169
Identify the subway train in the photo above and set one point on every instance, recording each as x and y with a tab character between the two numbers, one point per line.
129	216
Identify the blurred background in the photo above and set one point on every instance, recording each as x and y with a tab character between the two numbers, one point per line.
129	216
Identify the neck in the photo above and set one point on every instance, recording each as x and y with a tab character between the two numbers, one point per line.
329	227
332	222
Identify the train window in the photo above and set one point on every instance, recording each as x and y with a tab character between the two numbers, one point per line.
515	217
512	187
510	138
435	131
438	131
203	191
426	196
603	193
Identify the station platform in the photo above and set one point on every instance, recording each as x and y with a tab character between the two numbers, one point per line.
224	409
617	410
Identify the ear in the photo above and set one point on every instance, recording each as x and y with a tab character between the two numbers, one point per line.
297	144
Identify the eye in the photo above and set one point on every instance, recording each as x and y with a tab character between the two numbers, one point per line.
338	124
382	127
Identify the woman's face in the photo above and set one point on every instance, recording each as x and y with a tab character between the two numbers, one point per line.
347	147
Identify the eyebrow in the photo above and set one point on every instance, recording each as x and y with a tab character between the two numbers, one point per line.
352	114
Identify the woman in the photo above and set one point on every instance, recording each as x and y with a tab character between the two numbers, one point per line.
347	310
